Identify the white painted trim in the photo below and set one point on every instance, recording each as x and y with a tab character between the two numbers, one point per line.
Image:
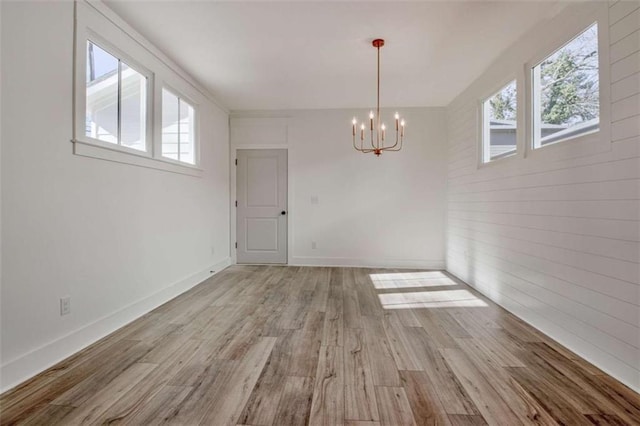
86	149
585	349
287	216
116	20
87	27
18	370
233	155
556	38
93	21
157	145
499	232
270	119
484	136
260	146
367	263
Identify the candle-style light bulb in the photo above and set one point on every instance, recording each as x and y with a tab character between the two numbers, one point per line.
354	121
371	115
362	131
371	120
383	127
402	129
397	116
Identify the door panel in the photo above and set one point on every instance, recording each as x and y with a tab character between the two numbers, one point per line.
262	234
261	189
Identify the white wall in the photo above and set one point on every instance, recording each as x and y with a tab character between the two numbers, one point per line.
119	239
386	211
556	240
0	167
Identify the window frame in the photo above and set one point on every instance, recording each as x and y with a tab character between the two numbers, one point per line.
163	85
585	143
81	94
484	132
522	57
535	94
94	23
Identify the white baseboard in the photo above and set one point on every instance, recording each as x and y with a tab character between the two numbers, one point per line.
367	263
585	349
28	365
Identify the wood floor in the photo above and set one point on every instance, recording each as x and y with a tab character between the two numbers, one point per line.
259	345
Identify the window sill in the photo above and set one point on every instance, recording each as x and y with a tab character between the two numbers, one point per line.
86	149
498	161
587	144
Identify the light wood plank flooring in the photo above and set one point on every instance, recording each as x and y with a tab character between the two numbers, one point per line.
258	345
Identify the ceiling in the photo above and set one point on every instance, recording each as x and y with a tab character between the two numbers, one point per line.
295	55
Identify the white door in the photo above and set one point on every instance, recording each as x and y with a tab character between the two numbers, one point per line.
261	219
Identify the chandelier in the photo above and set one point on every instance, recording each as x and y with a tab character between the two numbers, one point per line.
377	129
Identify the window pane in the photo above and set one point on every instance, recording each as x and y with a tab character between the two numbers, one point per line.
170	124
134	108
102	95
500	124
566	91
187	120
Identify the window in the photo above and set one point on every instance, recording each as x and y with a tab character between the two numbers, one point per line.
178	128
499	124
116	100
122	113
562	89
565	91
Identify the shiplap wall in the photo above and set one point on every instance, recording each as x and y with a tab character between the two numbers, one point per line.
557	242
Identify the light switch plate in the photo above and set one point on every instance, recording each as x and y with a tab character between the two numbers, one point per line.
65	305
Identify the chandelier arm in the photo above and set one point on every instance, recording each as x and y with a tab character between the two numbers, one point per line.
397	149
361	149
390	148
366	150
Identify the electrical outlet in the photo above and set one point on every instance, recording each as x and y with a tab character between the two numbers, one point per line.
65	305
313	245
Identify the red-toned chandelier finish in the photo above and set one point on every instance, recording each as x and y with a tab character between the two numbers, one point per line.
377	129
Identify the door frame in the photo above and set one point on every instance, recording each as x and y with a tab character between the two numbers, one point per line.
233	215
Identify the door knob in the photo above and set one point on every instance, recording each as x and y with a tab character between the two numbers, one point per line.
283	212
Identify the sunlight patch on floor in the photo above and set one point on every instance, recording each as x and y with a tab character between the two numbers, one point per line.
430	299
410	279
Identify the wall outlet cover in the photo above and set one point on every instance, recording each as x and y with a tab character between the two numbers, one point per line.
65	305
